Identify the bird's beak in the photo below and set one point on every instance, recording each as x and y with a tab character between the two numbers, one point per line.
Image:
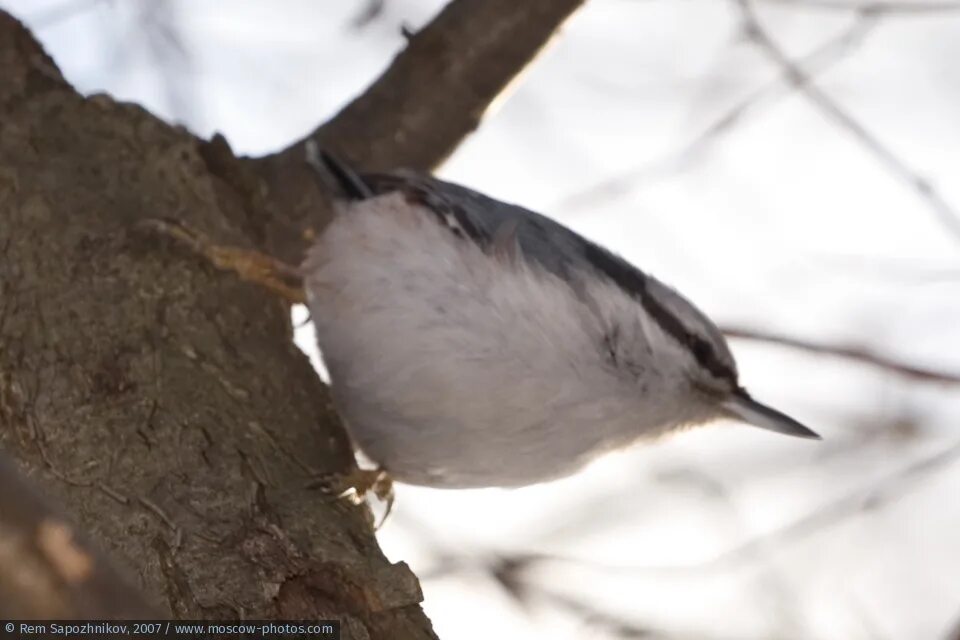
742	406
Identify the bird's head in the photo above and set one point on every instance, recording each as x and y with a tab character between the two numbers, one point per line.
703	361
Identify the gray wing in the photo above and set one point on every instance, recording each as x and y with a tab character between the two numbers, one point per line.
485	221
541	241
469	214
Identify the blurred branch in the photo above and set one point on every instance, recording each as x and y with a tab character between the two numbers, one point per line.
509	572
437	89
370	12
594	620
414	115
824	57
891	271
158	26
954	633
60	13
855	354
873	498
800	79
47	570
877	6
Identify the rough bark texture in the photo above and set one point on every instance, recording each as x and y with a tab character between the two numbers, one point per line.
162	402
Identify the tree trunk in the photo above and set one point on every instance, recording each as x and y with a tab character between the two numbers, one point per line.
162	402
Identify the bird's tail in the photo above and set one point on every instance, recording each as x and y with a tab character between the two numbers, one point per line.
349	181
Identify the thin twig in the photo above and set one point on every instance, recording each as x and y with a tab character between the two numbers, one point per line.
855	354
873	6
799	78
891	488
816	62
892	271
877	496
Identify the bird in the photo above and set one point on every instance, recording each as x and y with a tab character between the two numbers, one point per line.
473	343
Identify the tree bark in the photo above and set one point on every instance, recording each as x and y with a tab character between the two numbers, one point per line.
163	402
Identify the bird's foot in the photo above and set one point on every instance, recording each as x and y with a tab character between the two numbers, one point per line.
250	265
356	485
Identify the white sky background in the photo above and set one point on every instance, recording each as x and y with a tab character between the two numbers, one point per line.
784	222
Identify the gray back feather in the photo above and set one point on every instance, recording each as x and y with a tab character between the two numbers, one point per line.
565	254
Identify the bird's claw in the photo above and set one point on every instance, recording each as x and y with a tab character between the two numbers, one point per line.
355	485
250	265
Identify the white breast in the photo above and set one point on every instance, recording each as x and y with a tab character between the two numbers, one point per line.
455	368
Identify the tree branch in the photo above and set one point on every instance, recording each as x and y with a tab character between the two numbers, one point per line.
437	89
413	116
945	213
871	499
832	51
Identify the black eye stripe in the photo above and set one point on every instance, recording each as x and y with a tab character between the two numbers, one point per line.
634	282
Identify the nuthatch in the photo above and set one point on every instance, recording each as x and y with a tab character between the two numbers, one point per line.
475	343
